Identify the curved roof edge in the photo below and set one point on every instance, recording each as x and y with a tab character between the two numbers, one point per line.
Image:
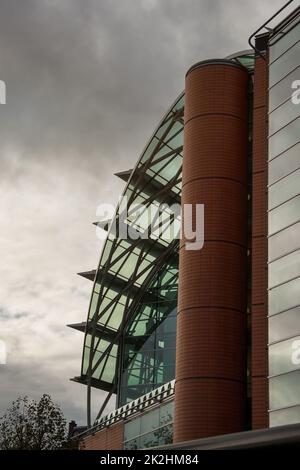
237	54
204	63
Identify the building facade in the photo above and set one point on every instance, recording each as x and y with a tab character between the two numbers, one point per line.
283	225
201	343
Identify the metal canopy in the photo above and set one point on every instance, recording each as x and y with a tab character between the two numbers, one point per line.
124	175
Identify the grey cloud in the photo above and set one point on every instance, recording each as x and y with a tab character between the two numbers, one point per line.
93	69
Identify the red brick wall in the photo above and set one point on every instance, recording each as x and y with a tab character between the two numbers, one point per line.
259	249
210	387
107	439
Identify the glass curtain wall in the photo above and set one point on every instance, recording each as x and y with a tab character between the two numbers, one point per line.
150	429
284	226
129	346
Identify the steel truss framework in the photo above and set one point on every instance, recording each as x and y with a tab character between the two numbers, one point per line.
134	274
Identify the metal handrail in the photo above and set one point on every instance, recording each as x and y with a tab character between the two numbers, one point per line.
264	26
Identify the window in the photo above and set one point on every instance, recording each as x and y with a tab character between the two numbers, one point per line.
150	429
284	242
285	138
284	325
286	41
282	90
285	416
284	356
284	164
284	269
284	297
287	62
285	390
284	215
286	113
284	189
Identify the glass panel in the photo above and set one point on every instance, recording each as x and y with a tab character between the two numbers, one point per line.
283	90
109	369
167	172
285	390
176	141
132	428
284	242
284	189
285	416
284	215
106	251
165	435
284	139
166	413
149	351
246	61
158	157
284	269
150	149
150	421
165	130
285	325
149	440
284	297
284	164
286	113
160	436
179	104
106	369
281	67
150	429
284	356
286	41
133	445
86	358
175	130
93	305
113	315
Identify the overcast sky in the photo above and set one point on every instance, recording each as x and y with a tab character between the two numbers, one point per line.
87	81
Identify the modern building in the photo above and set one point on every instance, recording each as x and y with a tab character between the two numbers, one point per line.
202	343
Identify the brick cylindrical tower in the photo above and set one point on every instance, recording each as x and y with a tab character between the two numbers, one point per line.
210	389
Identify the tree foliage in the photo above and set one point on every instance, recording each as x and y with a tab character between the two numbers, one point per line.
32	425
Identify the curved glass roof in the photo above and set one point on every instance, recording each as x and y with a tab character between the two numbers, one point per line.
245	58
124	284
135	273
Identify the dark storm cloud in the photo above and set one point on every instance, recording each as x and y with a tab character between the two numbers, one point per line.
87	81
81	72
